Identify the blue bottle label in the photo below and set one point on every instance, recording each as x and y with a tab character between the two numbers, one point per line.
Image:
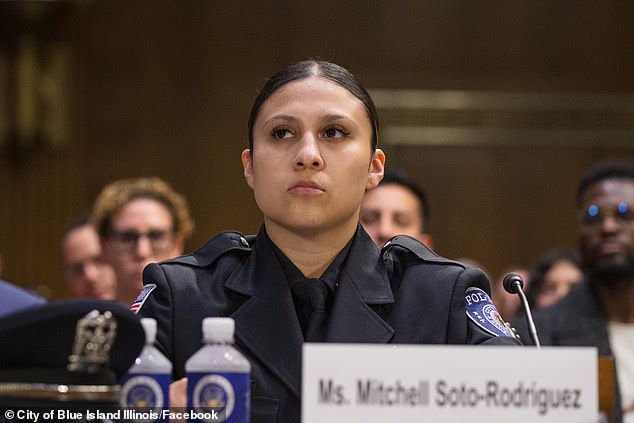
218	397
144	396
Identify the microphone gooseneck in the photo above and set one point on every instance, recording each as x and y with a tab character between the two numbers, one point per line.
513	284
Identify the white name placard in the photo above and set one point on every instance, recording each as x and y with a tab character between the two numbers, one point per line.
448	384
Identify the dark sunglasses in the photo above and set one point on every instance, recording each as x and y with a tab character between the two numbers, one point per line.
595	215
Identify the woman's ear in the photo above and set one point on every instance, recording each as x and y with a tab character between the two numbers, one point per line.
247	165
377	167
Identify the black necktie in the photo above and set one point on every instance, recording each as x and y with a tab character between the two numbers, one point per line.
311	295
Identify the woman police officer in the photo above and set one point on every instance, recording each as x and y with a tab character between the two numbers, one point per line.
313	153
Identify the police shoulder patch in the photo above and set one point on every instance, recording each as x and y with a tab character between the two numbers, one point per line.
483	313
145	293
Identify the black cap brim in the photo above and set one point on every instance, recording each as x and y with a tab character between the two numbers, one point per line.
37	342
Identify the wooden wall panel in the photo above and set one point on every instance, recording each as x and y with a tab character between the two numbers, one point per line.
40	194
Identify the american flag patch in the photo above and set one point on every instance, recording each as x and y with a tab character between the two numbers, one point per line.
145	293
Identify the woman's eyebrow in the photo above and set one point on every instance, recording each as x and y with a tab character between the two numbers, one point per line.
286	118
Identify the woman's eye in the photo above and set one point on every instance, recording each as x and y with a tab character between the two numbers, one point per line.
334	133
281	133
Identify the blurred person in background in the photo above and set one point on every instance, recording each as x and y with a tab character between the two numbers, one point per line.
140	221
84	270
552	277
599	311
397	206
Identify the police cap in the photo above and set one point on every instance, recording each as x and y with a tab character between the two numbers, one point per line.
81	344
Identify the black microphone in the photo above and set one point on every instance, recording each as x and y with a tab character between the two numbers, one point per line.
513	284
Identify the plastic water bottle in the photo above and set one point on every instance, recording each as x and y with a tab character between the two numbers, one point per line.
145	388
218	376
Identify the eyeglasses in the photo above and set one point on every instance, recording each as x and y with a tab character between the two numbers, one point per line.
127	241
595	215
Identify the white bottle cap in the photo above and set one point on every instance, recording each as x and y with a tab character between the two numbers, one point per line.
218	329
149	326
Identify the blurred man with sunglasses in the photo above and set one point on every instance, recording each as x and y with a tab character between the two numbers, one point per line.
140	221
599	312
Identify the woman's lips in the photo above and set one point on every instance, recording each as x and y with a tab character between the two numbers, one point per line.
306	188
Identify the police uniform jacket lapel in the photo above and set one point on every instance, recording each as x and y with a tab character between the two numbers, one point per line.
277	339
266	324
363	283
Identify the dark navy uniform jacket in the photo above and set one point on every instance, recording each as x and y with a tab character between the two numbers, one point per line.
403	293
